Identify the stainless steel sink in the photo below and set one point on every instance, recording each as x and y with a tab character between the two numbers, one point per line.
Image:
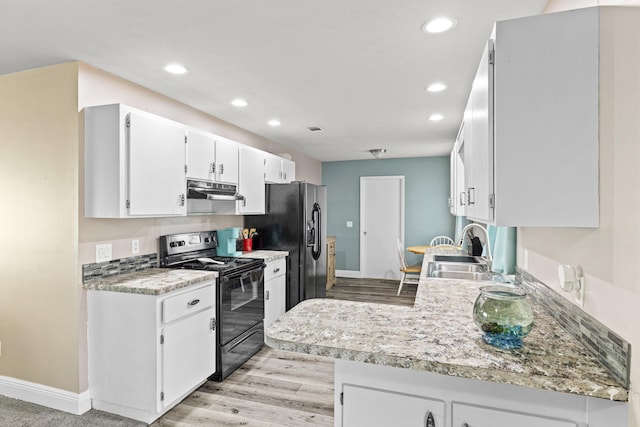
464	275
458	267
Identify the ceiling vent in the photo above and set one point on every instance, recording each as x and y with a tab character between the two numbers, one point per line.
315	129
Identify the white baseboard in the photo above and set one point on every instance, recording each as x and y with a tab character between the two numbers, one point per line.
351	274
50	397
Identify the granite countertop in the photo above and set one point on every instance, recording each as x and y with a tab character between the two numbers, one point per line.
265	255
438	335
152	281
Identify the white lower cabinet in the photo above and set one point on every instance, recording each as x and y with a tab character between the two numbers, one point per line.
148	352
373	407
476	416
373	395
275	287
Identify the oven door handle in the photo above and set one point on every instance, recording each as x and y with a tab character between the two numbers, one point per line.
242	275
240	340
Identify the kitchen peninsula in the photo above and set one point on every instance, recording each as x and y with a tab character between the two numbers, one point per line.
430	358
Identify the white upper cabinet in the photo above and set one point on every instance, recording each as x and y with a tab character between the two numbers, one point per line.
479	177
200	155
226	158
279	170
457	196
134	164
251	182
531	158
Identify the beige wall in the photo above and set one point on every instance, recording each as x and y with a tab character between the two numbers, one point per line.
42	304
39	294
609	254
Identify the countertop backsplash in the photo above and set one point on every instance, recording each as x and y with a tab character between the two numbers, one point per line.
604	344
118	266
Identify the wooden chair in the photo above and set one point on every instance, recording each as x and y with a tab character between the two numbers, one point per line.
410	274
442	240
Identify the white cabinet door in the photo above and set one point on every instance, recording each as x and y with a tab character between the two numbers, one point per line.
273	168
156	166
477	416
480	146
363	406
251	181
288	170
279	170
275	285
200	155
188	355
226	161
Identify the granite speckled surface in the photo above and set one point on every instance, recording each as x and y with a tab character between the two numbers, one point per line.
152	281
265	255
438	335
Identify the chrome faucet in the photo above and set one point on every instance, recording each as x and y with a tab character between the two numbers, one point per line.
463	235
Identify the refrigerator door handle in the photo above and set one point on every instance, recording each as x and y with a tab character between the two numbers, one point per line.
316	249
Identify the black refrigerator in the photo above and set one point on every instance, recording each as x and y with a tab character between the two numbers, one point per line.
295	221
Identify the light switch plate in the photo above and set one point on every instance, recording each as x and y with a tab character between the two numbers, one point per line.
103	252
349	224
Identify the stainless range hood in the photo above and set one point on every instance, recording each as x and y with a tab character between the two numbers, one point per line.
204	197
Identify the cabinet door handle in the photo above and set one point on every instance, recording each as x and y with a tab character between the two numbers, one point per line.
182	200
463	195
221	169
431	422
465	425
193	302
212	168
266	295
471	200
212	323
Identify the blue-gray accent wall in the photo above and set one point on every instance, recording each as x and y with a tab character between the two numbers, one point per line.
426	202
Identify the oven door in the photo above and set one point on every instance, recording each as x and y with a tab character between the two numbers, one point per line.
241	303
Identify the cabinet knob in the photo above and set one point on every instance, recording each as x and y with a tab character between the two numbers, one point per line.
275	270
193	302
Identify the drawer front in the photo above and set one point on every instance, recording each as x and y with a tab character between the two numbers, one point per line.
186	303
275	268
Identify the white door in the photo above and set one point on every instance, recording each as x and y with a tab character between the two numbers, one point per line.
200	155
226	161
381	223
156	166
371	407
188	355
251	181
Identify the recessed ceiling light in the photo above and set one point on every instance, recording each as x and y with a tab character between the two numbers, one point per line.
175	68
239	102
274	122
436	87
436	117
439	25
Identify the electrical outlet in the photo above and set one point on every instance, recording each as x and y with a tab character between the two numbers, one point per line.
103	252
135	247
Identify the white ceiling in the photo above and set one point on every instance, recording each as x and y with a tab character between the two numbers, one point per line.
356	68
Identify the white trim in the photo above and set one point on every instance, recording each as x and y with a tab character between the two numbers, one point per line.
50	397
352	274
